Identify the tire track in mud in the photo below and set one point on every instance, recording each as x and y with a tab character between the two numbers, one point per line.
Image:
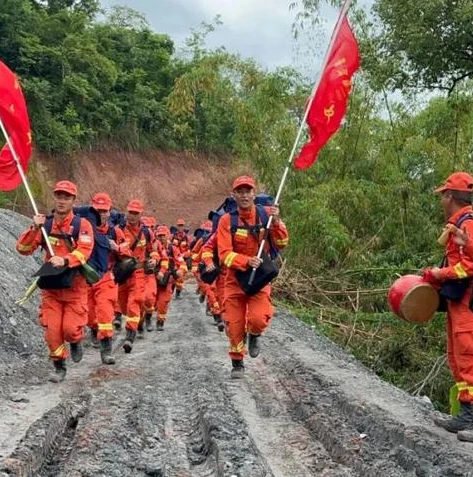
170	409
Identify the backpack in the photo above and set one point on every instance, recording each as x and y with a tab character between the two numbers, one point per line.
117	218
98	259
199	234
173	230
230	205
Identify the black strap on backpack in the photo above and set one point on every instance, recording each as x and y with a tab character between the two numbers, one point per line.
454	289
112	233
268	269
262	220
137	238
48	226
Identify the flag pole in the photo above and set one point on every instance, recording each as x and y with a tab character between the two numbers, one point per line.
25	182
343	12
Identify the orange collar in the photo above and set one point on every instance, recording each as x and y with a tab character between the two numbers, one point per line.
65	222
459	213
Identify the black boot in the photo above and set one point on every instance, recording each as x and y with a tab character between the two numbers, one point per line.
218	321
160	325
117	321
201	298
77	353
130	338
253	345
149	325
140	335
60	371
462	422
106	351
238	369
93	337
178	293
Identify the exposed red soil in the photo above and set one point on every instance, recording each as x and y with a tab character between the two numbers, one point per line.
170	185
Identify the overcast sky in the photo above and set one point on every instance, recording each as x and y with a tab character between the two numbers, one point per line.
259	29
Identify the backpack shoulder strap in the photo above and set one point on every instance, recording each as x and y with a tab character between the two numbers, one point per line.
137	239
463	218
76	227
146	233
112	233
233	221
48	224
262	214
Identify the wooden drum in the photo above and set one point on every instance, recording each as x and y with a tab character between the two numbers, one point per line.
413	299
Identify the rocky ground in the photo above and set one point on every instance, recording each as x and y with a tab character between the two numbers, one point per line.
305	407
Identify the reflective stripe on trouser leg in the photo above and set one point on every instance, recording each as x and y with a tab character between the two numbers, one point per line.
235	316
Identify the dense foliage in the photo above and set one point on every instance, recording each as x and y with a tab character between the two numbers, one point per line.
362	214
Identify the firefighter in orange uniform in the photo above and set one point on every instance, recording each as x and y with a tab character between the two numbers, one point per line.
182	240
63	311
214	291
151	287
131	294
103	295
166	281
456	197
196	254
246	314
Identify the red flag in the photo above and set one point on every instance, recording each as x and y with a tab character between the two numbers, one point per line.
14	116
331	98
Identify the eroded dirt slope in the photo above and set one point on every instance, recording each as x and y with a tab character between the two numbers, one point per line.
170	185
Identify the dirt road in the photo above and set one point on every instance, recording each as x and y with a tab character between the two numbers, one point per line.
305	408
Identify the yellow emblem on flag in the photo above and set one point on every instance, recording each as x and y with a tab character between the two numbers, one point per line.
329	112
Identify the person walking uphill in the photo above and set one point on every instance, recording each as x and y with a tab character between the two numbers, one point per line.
103	295
237	250
63	310
131	293
454	280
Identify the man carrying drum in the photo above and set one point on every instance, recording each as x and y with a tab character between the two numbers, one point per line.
454	280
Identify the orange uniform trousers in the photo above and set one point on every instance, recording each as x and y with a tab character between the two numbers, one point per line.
180	282
211	296
64	316
131	297
460	345
102	297
163	298
244	314
151	289
220	288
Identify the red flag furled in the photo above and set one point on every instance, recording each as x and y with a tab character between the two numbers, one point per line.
331	98
14	116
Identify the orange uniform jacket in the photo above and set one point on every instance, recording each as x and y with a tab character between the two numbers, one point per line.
196	254
32	238
123	249
176	258
235	251
209	248
182	241
143	248
460	260
163	258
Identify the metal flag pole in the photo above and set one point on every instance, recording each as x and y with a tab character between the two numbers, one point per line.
25	182
343	12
